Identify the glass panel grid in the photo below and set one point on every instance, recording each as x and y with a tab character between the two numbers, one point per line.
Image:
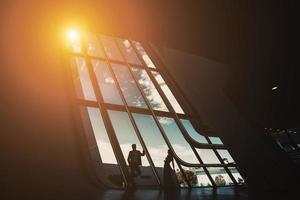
237	176
106	82
129	88
167	92
81	77
220	176
144	55
110	53
215	140
208	156
192	132
149	89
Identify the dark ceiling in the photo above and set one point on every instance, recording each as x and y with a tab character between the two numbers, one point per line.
252	37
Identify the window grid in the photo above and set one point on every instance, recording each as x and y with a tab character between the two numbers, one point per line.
154	113
131	117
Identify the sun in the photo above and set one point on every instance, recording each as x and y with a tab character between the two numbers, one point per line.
72	35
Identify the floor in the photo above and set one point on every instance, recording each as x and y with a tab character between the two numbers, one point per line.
222	193
226	193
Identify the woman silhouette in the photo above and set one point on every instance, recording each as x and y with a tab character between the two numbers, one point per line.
168	171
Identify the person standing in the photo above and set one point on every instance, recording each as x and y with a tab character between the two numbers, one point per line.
169	171
135	161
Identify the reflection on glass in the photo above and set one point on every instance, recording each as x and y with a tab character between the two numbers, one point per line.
128	51
93	45
208	156
144	55
225	155
83	84
126	137
167	92
220	176
178	142
129	88
104	145
215	140
196	176
192	132
106	83
149	89
111	48
237	176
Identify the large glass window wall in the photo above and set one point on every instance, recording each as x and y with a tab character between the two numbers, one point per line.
127	100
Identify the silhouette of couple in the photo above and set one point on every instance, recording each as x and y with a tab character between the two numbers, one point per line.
135	161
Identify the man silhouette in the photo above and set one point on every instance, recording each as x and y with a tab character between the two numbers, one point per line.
134	161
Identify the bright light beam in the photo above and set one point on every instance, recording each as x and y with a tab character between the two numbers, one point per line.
274	88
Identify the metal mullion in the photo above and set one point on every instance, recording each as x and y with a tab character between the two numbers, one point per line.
107	123
170	108
186	116
177	120
162	69
184	100
205	146
221	160
205	165
165	99
75	54
137	132
225	167
179	124
153	69
154	116
86	102
109	106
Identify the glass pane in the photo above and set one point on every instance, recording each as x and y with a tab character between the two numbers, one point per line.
215	140
104	145
225	155
153	139
128	51
144	55
106	83
196	176
220	176
100	144
237	176
192	132
167	92
93	45
111	48
129	88
83	84
180	145
126	137
208	156
149	89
